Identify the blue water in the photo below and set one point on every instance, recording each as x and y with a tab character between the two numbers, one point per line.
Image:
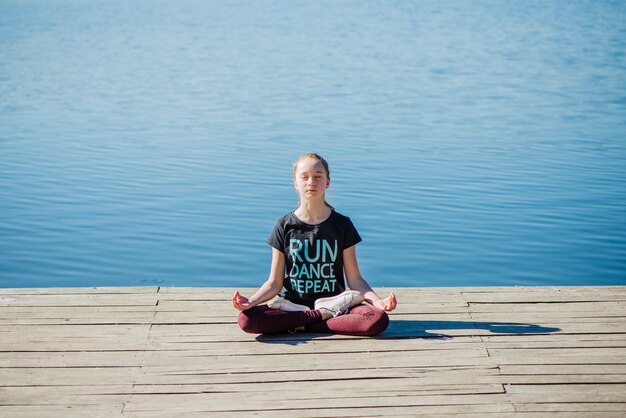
472	143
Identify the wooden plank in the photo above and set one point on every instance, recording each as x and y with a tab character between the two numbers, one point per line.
70	311
67	376
544	297
73	337
223	291
69	410
538	289
617	307
287	399
556	360
580	407
43	359
559	343
329	388
208	373
61	395
559	337
563	378
201	374
573	344
534	353
43	331
577	393
464	410
77	344
88	300
283	362
198	342
169	374
539	369
115	318
30	315
224	402
549	317
121	290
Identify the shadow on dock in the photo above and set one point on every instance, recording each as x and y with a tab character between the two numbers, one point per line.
406	329
423	329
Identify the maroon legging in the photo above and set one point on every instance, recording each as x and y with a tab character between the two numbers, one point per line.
360	320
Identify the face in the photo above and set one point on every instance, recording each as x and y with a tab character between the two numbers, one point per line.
310	178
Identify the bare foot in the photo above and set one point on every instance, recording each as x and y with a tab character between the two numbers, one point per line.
326	314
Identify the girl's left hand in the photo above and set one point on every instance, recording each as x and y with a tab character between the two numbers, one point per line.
388	304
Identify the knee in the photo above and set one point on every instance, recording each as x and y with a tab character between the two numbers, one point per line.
379	322
374	320
248	323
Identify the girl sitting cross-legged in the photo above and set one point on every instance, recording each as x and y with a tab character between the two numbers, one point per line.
306	290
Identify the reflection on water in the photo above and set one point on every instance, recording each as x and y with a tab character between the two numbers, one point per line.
472	143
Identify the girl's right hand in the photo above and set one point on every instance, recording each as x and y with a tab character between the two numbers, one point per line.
240	302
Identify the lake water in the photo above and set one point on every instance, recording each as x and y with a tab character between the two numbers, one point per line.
471	142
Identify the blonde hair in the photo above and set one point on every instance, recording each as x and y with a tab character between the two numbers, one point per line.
321	160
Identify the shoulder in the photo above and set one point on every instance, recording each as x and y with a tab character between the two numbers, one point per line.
281	228
339	218
348	230
342	223
284	221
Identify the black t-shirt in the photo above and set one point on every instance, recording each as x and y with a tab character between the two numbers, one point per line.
313	255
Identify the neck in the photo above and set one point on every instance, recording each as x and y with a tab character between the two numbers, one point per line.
313	212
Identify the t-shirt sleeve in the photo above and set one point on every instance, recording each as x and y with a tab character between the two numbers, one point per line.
351	235
277	237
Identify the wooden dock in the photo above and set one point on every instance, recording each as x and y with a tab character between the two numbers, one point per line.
168	352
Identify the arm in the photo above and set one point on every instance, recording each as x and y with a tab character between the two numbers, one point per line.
357	282
269	289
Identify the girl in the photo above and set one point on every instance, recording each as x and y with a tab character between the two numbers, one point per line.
311	248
